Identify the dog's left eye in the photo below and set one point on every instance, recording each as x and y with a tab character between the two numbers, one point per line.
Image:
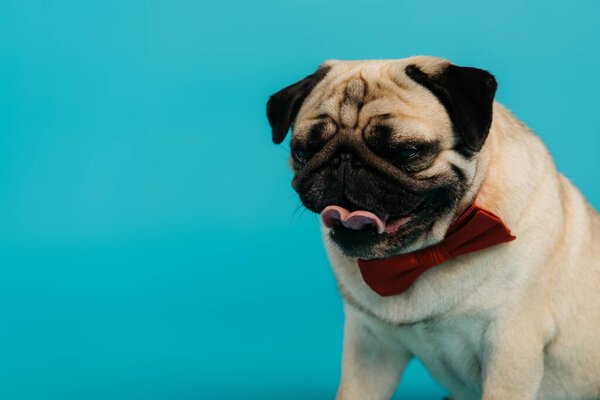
407	152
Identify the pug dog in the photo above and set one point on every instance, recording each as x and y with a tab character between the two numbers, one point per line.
405	159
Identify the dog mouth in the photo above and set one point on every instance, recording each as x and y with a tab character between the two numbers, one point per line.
369	234
335	216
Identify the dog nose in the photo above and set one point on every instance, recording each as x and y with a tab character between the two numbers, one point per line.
345	158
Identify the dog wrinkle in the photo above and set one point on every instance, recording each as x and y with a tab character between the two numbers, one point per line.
354	96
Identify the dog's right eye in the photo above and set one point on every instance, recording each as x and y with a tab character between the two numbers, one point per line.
302	156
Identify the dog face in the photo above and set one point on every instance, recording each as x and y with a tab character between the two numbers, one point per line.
386	149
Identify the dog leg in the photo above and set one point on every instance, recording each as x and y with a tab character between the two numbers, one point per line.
371	365
515	361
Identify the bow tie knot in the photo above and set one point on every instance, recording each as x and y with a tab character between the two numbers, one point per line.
433	255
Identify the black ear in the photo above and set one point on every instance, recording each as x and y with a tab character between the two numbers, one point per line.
468	96
284	105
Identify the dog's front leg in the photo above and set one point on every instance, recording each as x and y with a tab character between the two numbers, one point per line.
515	360
372	363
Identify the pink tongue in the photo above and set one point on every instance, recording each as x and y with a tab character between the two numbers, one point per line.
356	220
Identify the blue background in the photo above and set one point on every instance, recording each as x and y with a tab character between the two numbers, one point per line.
149	243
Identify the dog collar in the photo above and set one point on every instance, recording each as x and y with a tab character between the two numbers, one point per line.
476	229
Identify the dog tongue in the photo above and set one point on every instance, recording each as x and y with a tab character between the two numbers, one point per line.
356	220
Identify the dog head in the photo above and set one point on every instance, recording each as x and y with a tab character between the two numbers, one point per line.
385	150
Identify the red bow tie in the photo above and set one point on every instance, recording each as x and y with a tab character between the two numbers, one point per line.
474	230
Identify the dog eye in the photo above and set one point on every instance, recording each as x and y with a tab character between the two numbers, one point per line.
407	152
302	155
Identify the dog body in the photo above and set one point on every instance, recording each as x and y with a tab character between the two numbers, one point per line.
519	320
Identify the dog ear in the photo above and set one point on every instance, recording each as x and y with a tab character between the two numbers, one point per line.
468	96
284	105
